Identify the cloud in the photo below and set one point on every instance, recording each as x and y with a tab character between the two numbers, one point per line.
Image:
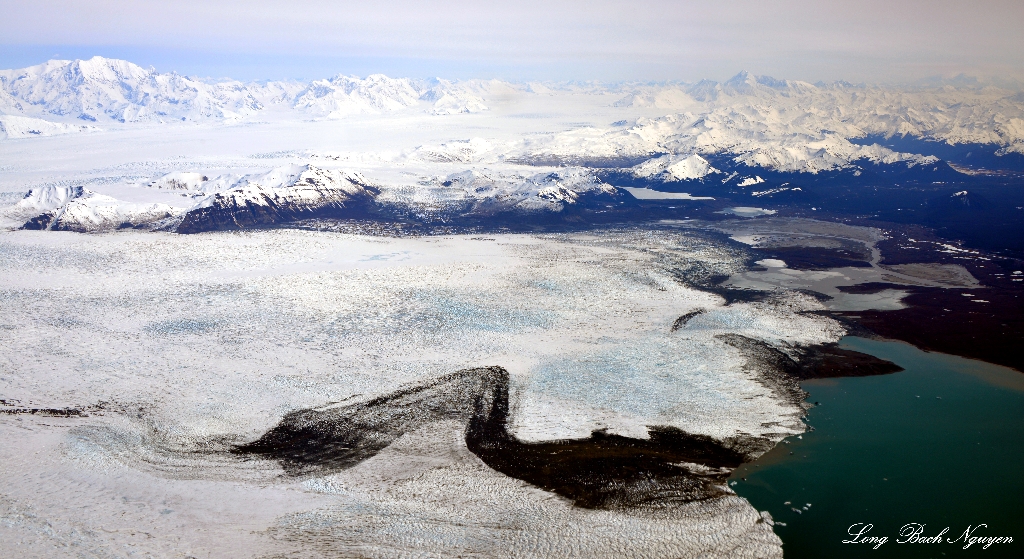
870	39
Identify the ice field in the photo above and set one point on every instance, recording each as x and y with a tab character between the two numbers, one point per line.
173	347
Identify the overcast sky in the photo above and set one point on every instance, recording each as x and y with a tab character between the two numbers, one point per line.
869	40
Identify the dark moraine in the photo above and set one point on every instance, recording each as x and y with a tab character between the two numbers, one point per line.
45	412
682	320
602	471
11	407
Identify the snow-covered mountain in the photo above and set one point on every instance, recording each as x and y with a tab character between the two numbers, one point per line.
487	193
675	168
344	95
79	209
783	124
101	90
964	114
283	194
535	150
198	203
792	126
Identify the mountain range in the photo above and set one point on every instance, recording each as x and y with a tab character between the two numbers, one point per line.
460	149
106	91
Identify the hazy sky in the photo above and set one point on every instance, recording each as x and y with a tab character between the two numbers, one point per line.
869	40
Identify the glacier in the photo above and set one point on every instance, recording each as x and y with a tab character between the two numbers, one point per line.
174	346
258	250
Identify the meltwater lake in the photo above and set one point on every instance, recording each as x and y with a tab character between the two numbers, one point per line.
940	444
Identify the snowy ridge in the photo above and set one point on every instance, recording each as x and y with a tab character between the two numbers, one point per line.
26	127
798	126
453	97
484	193
96	212
47	198
294	192
953	114
758	136
675	168
101	89
181	180
283	194
761	121
345	95
455	151
37	208
74	208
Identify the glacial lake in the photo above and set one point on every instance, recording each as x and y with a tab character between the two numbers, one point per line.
939	444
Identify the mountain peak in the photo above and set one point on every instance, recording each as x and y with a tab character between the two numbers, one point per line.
108	70
743	77
745	82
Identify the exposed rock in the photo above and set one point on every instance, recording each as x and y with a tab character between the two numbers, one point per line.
299	192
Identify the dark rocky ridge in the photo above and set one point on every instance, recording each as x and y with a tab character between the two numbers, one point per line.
39	222
831	361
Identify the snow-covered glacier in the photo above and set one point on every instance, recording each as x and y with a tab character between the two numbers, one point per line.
167	351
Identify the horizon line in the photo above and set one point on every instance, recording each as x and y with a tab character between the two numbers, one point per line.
961	79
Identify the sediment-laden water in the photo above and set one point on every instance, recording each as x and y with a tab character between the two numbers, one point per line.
940	444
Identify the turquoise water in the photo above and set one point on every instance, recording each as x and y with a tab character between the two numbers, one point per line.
939	444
